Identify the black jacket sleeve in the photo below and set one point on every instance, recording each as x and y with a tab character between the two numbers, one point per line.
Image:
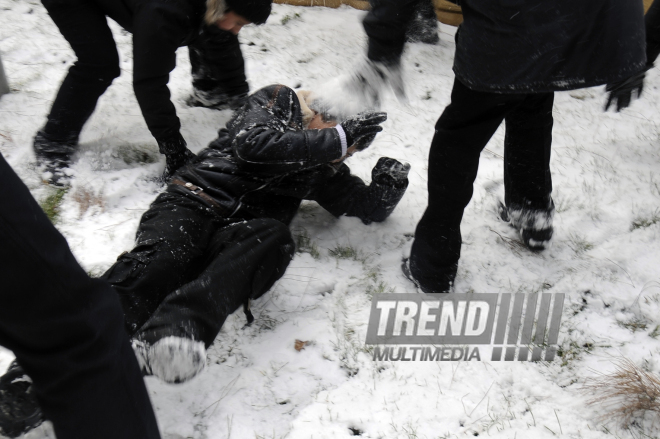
386	25
264	139
346	194
158	30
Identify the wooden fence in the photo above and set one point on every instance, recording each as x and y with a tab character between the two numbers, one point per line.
447	12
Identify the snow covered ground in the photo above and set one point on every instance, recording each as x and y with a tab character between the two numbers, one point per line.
605	258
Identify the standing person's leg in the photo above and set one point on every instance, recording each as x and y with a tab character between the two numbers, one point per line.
84	26
218	70
527	179
66	329
424	26
242	263
462	132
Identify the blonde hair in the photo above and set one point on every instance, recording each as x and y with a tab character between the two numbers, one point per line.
307	113
215	10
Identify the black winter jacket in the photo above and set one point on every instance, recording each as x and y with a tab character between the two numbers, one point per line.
264	164
532	46
652	21
159	27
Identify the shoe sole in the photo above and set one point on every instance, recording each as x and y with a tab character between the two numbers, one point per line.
176	359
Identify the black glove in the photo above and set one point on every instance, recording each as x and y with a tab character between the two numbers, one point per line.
176	154
621	92
361	125
390	172
364	142
176	160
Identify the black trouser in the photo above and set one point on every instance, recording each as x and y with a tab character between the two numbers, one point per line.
65	328
424	24
218	68
461	133
190	269
215	55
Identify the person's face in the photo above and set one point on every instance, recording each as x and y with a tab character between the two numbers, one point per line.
232	22
317	123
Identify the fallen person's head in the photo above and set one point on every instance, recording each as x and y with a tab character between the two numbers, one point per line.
232	15
360	129
314	117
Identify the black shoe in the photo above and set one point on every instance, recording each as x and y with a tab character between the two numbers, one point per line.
534	225
19	409
216	101
446	283
54	158
173	359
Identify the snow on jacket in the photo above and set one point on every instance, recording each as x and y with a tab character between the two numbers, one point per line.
264	164
532	46
159	27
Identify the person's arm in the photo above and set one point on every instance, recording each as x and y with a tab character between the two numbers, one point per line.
265	141
346	194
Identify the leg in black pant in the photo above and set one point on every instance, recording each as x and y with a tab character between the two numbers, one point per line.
527	144
243	261
218	70
424	26
527	179
66	329
171	244
84	26
462	132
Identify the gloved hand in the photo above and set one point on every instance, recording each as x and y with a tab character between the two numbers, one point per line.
621	92
364	142
361	125
176	154
176	160
390	172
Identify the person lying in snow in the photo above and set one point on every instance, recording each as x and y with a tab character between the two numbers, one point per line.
218	236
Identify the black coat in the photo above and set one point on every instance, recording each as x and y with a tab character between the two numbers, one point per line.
159	27
264	164
652	21
523	46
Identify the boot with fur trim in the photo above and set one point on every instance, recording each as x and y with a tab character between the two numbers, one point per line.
534	225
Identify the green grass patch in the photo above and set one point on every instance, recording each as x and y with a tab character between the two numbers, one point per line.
644	222
634	324
345	252
304	244
288	18
51	205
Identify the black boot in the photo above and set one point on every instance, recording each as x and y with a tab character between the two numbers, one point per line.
216	100
444	278
54	157
19	409
533	223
